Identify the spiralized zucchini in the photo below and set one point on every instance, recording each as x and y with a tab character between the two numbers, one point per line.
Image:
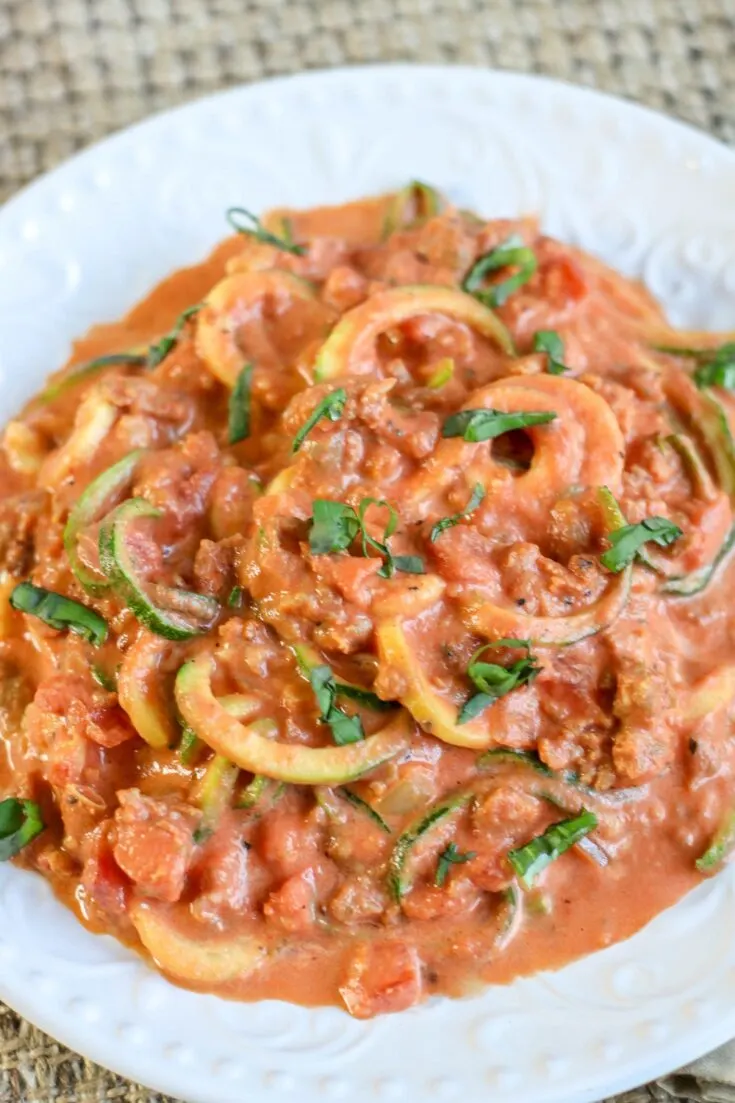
196	960
250	749
348	348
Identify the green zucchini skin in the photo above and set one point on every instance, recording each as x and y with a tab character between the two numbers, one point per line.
399	877
117	559
89	508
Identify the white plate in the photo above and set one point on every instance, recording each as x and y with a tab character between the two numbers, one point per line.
649	195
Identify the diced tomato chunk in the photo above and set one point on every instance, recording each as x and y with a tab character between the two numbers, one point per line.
382	977
155	844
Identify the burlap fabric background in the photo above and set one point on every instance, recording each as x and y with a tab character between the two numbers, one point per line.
71	71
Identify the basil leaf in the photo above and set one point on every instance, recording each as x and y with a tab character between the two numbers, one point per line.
20	823
511	252
388	568
345	729
716	367
473	706
59	612
234	598
627	541
409	564
532	859
448	522
450	856
492	680
719	371
479	425
238	426
160	350
245	222
331	406
103	678
365	697
334	526
549	341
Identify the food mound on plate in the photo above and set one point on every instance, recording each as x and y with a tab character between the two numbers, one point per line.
365	620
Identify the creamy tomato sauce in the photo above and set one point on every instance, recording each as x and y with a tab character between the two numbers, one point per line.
378	639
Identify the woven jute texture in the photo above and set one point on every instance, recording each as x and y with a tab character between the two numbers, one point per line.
72	71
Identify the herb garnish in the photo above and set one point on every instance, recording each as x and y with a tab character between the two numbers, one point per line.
234	598
532	859
478	494
715	367
59	612
103	678
345	729
245	222
20	822
450	856
160	350
238	408
478	425
511	252
493	680
628	540
549	341
331	406
335	525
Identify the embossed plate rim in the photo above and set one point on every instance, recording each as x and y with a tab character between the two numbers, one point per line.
58	238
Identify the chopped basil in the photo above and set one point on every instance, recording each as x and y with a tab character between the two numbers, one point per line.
451	856
365	697
345	729
59	612
20	823
511	252
493	680
234	598
628	540
719	371
715	367
335	525
532	859
479	425
245	222
160	350
331	406
549	341
408	564
103	678
449	522
202	833
238	425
